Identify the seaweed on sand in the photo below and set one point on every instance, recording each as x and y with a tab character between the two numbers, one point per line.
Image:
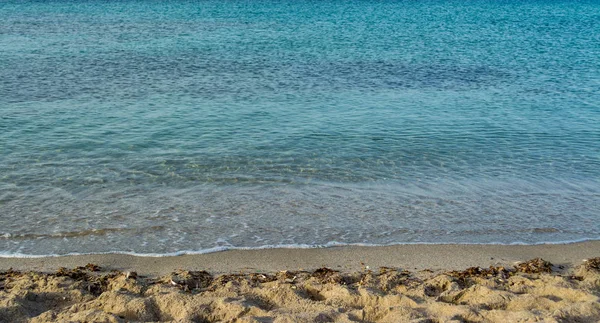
189	280
534	266
593	264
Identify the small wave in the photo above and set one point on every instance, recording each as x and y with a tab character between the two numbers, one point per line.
331	244
73	234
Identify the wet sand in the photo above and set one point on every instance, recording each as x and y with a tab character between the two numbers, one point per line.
346	259
439	283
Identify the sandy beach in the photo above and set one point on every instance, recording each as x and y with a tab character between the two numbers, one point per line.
405	283
141	139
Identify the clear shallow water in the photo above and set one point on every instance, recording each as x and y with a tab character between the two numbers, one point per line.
161	127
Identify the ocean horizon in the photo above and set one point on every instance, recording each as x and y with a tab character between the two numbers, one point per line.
170	127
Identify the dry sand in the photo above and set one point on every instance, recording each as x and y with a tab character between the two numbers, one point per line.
408	283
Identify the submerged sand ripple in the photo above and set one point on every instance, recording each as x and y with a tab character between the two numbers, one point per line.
527	293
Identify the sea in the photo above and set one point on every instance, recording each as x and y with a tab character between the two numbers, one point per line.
164	127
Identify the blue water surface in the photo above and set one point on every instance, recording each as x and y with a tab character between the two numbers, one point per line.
159	127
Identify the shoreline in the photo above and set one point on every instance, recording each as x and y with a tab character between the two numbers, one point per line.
343	258
403	283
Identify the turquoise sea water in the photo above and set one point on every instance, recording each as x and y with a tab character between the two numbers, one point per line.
159	127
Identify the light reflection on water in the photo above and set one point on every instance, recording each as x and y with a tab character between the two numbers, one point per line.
160	127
